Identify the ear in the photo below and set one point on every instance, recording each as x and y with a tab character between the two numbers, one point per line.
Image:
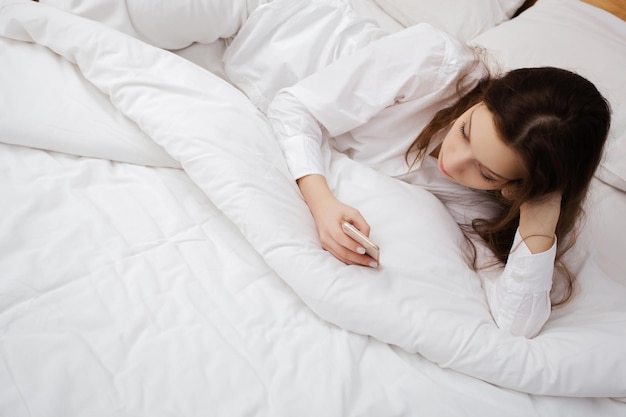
510	190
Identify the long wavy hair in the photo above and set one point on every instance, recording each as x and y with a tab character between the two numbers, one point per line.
557	122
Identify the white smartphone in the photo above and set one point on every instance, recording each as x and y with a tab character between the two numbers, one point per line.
370	247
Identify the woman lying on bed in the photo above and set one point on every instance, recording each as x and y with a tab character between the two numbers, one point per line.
511	157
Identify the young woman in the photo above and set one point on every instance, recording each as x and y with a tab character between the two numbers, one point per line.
511	156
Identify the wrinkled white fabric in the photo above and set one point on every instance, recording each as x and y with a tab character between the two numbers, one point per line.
372	103
274	47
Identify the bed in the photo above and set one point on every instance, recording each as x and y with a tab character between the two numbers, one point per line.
158	260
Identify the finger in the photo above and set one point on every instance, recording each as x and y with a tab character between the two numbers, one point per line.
350	244
346	255
352	252
358	221
352	258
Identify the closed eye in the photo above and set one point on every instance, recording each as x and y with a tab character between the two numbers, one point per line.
487	178
462	129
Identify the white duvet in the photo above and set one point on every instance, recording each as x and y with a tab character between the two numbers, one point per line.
159	291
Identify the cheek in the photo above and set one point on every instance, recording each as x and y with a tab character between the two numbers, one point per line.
448	144
452	149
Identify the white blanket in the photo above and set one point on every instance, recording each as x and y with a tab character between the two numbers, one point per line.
423	299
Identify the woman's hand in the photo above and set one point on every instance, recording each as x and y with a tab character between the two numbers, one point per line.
329	213
538	220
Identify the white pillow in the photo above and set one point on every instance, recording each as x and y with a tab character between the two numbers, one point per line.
167	24
463	19
578	37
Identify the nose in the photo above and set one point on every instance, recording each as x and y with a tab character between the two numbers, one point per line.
459	158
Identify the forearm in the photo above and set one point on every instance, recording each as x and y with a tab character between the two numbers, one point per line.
538	234
538	221
519	298
315	191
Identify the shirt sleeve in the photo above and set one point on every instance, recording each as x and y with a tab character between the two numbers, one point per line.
417	63
519	298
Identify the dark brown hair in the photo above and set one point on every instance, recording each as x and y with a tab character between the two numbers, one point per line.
558	122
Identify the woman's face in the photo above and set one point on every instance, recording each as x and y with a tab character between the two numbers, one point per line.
473	155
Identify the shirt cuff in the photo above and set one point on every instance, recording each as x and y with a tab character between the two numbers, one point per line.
527	272
303	155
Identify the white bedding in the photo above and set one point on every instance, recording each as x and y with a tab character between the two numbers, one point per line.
138	290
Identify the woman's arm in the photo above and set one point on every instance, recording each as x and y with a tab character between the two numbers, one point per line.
519	299
300	137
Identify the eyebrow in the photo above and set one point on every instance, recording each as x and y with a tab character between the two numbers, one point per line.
469	135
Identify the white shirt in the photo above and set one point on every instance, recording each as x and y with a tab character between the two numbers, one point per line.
371	105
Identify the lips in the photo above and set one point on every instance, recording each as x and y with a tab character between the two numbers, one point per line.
441	168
